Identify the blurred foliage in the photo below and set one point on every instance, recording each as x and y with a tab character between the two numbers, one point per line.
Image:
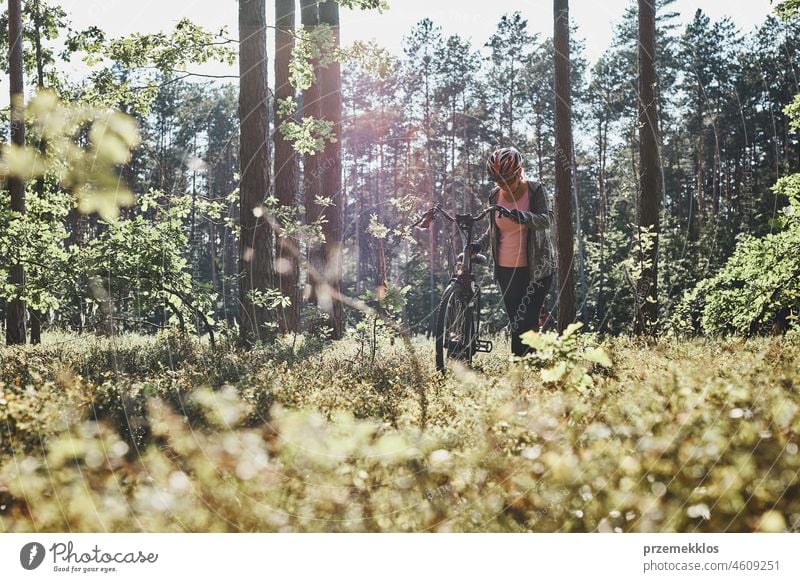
379	5
86	167
138	434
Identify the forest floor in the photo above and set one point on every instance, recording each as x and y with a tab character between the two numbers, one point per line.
164	434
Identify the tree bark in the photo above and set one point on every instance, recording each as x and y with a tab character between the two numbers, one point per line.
646	316
563	166
15	308
37	317
288	271
255	239
429	186
312	183
602	140
331	176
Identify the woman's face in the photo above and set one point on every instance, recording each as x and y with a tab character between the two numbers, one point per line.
511	184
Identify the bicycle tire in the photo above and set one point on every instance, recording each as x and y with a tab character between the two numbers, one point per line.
456	325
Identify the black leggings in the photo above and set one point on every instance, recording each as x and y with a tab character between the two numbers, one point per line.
523	300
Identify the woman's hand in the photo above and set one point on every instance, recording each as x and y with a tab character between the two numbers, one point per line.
532	219
518	216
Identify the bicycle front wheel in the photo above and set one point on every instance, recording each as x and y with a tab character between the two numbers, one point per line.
456	325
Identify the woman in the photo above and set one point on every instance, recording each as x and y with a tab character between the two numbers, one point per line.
521	245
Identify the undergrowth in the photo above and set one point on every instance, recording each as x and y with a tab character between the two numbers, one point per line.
166	434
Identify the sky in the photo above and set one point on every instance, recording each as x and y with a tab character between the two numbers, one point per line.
475	19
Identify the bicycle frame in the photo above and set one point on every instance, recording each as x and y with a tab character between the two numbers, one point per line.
463	284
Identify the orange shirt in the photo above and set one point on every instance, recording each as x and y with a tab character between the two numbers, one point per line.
513	249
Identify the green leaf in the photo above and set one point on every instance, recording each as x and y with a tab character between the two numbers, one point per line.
571	329
555	373
533	339
598	356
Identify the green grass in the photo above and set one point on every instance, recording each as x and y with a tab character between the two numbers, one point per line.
145	434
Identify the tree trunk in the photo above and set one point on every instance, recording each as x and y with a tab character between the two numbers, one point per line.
511	104
287	268
255	240
312	184
433	229
563	196
646	316
15	308
700	178
579	231
539	147
212	265
37	317
361	229
331	176
602	139
715	177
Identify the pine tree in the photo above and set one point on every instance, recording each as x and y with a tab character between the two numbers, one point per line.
255	237
510	55
288	271
15	309
331	176
563	163
420	48
646	315
312	167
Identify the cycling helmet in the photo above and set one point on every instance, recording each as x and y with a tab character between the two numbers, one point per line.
503	164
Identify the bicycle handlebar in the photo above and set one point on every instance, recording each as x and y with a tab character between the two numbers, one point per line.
501	209
427	216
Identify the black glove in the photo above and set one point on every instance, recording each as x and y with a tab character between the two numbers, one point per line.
517	216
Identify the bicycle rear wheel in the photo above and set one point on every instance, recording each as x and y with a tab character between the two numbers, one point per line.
456	325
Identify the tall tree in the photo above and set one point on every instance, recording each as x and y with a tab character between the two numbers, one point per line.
606	103
15	310
709	51
41	30
649	198
455	65
421	47
510	55
312	183
287	268
563	163
255	238
331	175
222	154
538	77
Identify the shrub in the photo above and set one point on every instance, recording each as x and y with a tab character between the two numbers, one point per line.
760	280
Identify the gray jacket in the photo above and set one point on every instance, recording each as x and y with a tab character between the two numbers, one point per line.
540	221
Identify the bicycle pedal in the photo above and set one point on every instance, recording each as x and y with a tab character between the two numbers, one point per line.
483	346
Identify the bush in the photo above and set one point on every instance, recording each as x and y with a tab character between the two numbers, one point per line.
759	282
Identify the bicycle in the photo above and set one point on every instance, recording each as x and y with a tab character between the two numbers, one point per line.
458	314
